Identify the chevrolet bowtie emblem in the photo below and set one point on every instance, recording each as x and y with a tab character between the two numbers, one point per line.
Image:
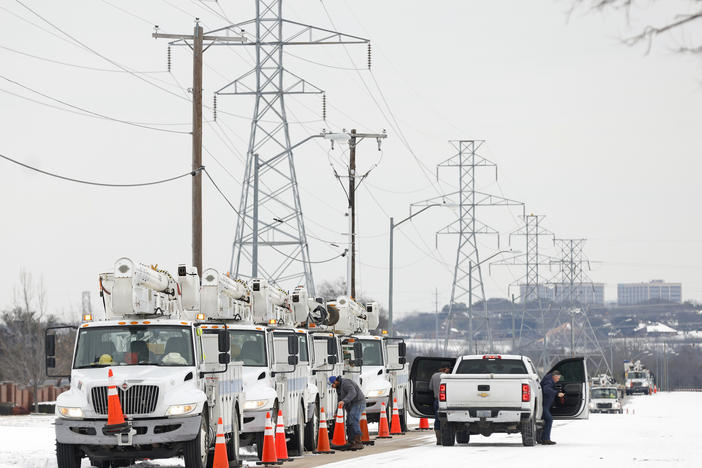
484	394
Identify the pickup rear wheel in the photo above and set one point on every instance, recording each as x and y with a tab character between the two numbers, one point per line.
529	432
463	437
67	455
448	434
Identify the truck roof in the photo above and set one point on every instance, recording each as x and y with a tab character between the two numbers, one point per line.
491	356
132	321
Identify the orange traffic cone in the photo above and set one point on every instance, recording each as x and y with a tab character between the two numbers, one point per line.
220	454
655	389
423	424
269	457
339	438
383	429
395	427
365	435
281	447
323	437
115	418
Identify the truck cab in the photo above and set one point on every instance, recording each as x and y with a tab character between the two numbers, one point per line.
605	399
485	394
173	381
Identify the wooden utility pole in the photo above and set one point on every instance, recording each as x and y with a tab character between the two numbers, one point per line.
196	43
352	208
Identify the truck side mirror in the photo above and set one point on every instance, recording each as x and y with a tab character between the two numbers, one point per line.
402	360
331	347
332	359
223	343
358	354
224	358
293	346
402	350
292	360
50	362
50	346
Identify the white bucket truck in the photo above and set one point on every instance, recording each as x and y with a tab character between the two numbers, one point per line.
376	363
173	381
275	352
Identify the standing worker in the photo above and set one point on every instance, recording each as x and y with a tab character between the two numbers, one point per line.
549	391
434	384
351	398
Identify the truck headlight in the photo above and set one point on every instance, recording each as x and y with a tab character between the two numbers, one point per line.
179	410
616	405
593	405
377	393
69	412
257	404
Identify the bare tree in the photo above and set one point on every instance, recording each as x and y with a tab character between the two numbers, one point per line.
647	34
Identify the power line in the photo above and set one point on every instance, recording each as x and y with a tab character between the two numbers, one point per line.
100	184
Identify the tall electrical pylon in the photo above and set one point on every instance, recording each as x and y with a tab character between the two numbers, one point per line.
270	199
467	284
529	337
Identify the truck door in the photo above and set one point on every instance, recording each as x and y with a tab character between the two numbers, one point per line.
575	403
421	396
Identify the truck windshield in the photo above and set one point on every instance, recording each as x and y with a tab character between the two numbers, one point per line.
604	393
372	352
249	346
637	375
491	366
154	345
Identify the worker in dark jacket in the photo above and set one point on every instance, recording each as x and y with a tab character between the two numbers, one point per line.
434	384
351	398
549	392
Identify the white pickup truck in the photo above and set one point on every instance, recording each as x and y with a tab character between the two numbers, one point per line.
485	394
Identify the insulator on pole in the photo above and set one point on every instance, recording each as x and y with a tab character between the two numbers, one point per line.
169	59
324	106
369	55
214	108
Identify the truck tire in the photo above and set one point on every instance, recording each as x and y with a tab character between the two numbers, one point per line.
296	446
100	463
233	445
529	432
259	445
448	434
67	455
311	430
463	437
196	451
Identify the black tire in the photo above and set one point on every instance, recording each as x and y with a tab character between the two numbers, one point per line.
529	432
100	464
463	437
259	445
67	455
448	434
296	445
312	430
196	451
234	444
403	416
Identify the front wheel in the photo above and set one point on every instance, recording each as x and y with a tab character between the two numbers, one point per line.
67	455
529	432
234	444
312	430
296	448
195	451
448	434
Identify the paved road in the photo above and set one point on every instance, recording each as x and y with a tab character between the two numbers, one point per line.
410	439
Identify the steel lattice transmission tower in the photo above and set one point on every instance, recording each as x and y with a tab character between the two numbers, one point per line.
275	213
467	277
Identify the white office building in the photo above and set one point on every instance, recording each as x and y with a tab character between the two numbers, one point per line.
653	291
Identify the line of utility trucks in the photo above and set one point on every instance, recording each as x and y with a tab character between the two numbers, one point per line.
186	351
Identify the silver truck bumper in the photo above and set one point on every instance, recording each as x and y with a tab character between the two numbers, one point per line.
254	421
373	404
503	416
148	431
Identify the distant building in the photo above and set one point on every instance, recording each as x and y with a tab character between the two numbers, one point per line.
584	293
656	291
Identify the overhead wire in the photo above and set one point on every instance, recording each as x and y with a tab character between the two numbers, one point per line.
100	184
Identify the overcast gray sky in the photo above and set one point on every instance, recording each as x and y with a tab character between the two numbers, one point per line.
601	138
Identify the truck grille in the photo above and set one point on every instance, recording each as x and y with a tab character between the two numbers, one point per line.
604	405
138	399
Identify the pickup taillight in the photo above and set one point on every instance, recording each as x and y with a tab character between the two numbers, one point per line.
526	392
442	392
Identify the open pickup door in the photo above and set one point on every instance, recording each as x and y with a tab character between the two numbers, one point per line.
575	403
421	396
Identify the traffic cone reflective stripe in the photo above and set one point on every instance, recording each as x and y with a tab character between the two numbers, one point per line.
395	427
269	456
339	428
281	447
365	435
383	429
220	455
115	418
323	437
424	424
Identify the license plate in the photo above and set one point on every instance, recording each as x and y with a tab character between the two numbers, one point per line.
484	413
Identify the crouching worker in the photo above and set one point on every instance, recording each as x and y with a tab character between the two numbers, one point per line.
351	398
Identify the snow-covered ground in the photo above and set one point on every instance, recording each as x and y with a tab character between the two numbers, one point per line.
660	430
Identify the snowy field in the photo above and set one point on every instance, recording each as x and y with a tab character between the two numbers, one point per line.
660	430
